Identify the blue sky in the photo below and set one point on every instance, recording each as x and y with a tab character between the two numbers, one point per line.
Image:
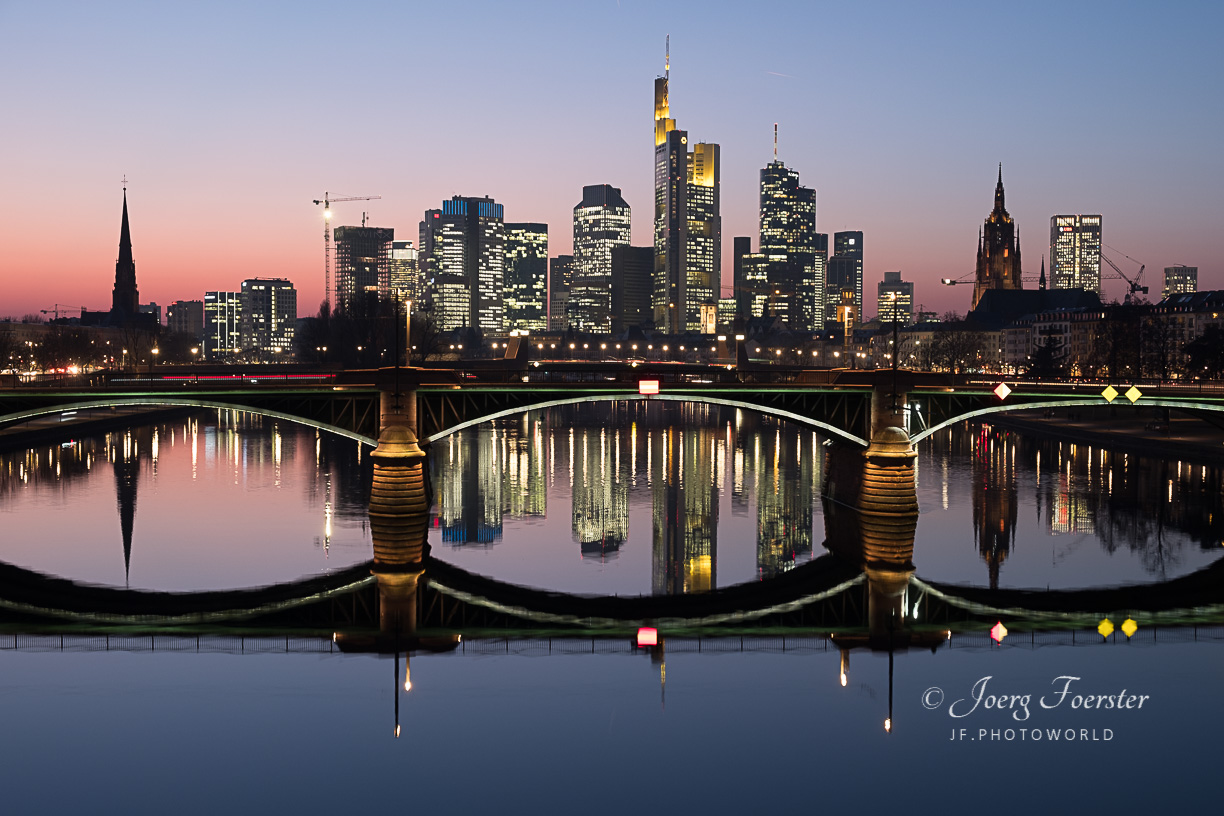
228	119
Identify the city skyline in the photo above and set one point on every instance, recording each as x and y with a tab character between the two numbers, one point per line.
224	125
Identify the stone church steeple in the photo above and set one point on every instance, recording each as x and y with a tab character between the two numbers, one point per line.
998	258
125	301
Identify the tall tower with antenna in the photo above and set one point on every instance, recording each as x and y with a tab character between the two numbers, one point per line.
687	222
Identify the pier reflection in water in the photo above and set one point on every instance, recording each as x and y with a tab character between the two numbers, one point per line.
698	497
729	690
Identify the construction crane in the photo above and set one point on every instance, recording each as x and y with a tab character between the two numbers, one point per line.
1136	285
59	307
327	201
966	279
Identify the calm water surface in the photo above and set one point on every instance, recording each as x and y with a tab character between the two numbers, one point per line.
601	500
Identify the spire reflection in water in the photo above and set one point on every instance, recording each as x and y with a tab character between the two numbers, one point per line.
186	500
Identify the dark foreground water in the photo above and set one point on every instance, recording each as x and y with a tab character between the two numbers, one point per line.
168	723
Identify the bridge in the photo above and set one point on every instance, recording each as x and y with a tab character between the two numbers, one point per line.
874	418
864	587
845	405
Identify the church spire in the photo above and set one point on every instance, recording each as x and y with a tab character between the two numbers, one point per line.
1041	281
999	191
125	300
125	235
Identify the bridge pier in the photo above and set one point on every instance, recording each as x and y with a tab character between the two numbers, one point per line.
880	479
399	513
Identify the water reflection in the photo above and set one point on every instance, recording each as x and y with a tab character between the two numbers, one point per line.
612	468
1164	513
202	500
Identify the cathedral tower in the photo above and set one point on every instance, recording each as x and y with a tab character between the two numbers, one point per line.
998	257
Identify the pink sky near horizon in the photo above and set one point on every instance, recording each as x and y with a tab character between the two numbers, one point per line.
228	123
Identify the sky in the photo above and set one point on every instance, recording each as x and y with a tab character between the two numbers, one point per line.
228	119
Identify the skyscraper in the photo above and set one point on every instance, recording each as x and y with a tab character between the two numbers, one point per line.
1075	252
268	315
631	272
560	277
601	222
895	299
1179	279
793	255
687	222
845	273
462	253
998	256
363	255
703	256
403	279
526	293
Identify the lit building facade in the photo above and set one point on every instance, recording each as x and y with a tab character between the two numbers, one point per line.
222	324
526	276
845	273
560	277
687	222
998	255
1179	280
403	279
462	244
601	223
1075	252
895	299
268	315
793	256
363	256
703	255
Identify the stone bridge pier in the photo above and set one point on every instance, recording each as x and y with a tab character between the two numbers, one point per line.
399	513
880	478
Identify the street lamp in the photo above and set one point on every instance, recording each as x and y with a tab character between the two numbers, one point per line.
408	333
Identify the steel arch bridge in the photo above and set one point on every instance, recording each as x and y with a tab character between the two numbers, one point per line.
842	410
825	594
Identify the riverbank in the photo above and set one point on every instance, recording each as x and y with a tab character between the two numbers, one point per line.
1126	431
61	427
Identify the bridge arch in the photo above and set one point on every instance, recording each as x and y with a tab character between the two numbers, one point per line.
181	402
1148	402
798	419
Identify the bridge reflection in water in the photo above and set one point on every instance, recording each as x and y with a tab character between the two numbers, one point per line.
864	593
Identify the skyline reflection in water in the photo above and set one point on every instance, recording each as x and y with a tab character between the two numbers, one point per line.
600	498
208	500
995	506
668	498
628	497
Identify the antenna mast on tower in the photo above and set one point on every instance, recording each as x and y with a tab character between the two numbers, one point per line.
667	59
775	141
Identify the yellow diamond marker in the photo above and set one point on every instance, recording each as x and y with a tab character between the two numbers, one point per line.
998	632
1110	393
1001	391
1133	394
1105	627
1130	627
